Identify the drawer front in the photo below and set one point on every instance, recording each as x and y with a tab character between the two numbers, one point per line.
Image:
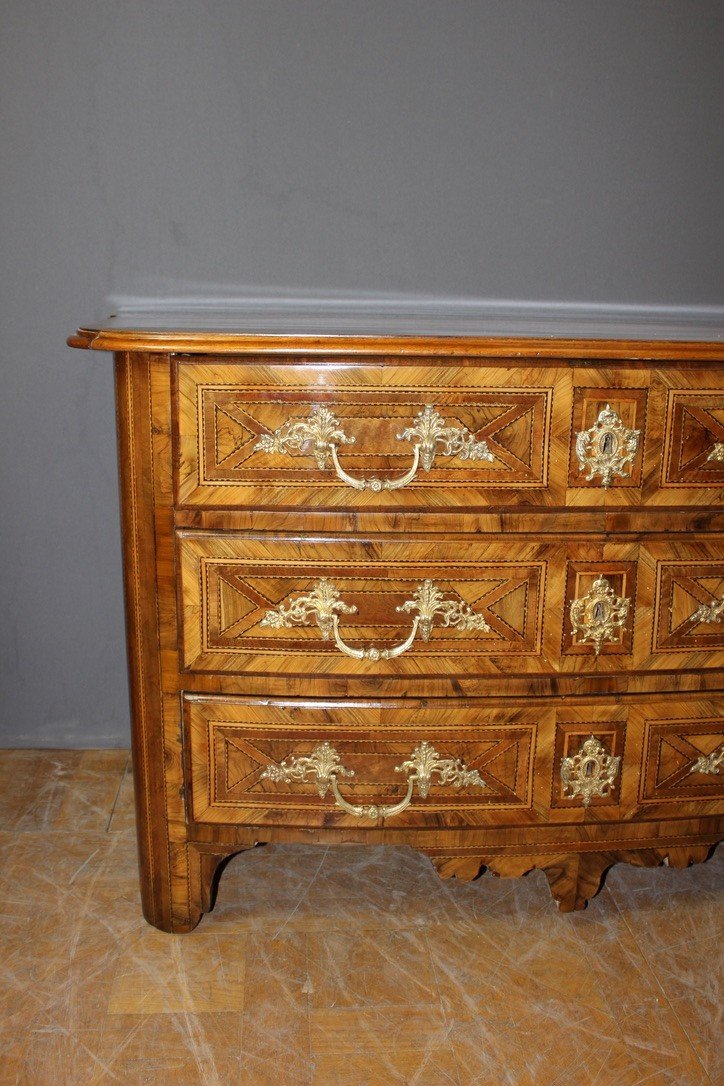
453	764
277	764
412	607
447	436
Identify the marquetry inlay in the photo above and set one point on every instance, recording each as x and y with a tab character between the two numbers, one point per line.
268	434
324	606
599	616
253	599
259	761
320	435
589	773
607	448
324	766
694	438
689	606
683	760
608	429
458	593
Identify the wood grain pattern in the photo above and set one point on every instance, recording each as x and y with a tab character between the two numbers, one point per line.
136	461
229	582
169	338
527	415
211	541
516	748
232	742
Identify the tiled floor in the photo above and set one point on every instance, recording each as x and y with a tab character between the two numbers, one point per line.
343	967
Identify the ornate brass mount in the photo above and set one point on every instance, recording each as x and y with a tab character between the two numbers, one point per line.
709	612
717	453
710	763
323	605
591	772
324	766
600	614
321	433
607	448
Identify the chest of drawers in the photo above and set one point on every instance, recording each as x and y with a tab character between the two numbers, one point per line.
461	594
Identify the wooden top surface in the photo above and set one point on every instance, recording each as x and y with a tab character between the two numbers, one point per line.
386	328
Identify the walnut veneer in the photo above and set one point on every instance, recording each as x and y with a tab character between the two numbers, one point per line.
462	594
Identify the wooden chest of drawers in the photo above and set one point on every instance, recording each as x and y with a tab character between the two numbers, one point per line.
461	594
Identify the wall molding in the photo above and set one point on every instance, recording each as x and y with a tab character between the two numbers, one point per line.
388	314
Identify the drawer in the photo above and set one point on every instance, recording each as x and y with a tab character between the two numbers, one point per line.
416	607
451	764
454	435
276	763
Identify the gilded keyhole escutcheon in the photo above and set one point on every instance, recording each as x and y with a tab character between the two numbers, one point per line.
589	773
599	615
607	448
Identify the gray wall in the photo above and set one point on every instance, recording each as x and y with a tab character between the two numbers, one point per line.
548	151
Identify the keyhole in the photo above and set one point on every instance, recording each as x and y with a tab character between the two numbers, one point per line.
608	444
600	611
588	768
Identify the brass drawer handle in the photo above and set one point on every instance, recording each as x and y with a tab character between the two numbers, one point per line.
717	453
321	433
600	614
324	766
591	772
607	448
323	605
709	612
710	763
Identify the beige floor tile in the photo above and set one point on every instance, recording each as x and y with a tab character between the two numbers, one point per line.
497	964
370	969
355	1029
197	1048
275	1024
276	1053
667	907
59	788
518	1042
12	1061
161	975
57	1056
381	1044
403	1067
691	976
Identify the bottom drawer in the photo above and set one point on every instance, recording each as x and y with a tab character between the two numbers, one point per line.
451	764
